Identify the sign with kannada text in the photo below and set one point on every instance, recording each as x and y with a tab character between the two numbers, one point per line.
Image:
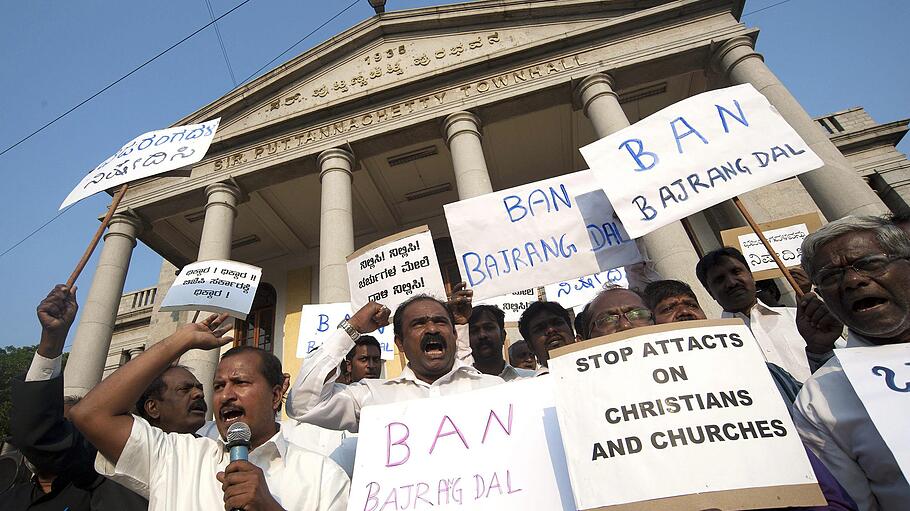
571	293
512	304
147	155
319	321
537	234
395	268
694	154
880	375
495	449
214	286
690	405
785	235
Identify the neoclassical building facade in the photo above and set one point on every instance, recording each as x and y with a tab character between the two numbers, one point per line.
373	131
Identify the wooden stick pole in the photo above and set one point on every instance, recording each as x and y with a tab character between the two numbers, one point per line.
94	243
768	247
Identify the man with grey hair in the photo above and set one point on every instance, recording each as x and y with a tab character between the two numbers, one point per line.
861	268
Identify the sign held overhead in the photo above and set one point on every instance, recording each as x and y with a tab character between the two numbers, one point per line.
215	286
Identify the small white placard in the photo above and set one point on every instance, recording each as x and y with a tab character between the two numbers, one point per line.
319	321
147	155
880	375
394	269
512	304
575	292
691	406
537	234
694	154
786	241
495	449
215	286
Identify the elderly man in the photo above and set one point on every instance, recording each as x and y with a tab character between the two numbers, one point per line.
488	335
861	268
182	471
614	310
424	330
726	275
521	356
546	326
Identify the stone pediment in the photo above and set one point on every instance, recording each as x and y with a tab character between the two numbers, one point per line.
402	48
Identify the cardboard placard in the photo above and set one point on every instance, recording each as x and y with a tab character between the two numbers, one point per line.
395	268
537	234
689	405
319	321
575	292
880	375
786	236
495	448
215	286
147	155
694	154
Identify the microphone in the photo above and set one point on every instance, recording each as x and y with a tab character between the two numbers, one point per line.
238	441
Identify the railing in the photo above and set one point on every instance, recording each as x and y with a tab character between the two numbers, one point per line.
136	300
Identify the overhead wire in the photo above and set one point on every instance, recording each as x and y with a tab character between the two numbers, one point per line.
227	61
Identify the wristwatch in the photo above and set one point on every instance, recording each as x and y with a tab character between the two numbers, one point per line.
349	329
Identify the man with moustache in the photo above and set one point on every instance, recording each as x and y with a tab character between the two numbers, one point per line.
182	471
488	335
546	326
725	274
424	330
615	309
861	270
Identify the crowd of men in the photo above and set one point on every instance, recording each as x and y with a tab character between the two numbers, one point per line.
140	439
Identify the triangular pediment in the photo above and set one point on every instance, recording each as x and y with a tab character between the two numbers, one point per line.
405	49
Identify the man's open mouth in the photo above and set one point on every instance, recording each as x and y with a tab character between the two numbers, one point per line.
868	303
433	346
230	414
557	341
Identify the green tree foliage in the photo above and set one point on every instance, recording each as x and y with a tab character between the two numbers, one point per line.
14	361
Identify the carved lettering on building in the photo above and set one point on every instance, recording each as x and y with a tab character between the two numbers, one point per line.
374	117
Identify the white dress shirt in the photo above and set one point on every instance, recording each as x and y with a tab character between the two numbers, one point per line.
833	422
780	342
177	471
323	403
43	368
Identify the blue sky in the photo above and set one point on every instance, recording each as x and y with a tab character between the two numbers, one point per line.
832	54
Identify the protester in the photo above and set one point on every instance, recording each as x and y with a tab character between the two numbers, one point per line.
613	310
61	459
860	268
181	471
173	402
579	323
768	293
424	330
521	356
725	274
545	326
364	360
488	336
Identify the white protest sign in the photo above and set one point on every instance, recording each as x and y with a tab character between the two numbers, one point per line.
395	268
880	375
146	155
496	448
685	412
536	234
215	286
787	242
571	293
512	304
319	321
694	154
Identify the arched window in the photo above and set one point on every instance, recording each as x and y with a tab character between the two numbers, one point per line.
259	328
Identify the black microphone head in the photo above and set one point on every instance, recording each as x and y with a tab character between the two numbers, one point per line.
238	433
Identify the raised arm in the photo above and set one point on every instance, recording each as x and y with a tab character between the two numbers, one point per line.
460	303
315	398
103	415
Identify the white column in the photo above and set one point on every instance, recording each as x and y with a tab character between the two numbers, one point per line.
669	249
217	235
836	188
336	224
461	131
99	310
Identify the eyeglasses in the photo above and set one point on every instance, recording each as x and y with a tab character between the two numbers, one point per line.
869	266
634	315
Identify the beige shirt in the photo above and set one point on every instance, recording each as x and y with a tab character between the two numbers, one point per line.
833	422
323	403
177	471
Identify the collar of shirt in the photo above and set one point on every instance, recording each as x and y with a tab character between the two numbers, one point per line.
542	370
855	340
277	444
759	308
407	375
